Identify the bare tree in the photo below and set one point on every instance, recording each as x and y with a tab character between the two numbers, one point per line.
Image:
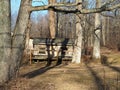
65	22
103	30
12	47
19	34
52	20
96	47
5	40
78	40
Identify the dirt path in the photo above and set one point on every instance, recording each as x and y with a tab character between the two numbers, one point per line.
68	76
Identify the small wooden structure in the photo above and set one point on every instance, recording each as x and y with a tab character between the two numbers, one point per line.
45	48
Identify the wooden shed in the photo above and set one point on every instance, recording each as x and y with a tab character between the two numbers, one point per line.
44	48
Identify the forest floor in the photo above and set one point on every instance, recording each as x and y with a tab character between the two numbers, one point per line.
67	76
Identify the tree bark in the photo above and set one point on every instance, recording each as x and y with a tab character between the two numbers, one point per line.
96	47
103	30
78	40
107	32
5	40
27	35
57	8
52	20
18	41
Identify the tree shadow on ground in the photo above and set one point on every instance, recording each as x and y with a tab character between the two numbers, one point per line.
104	61
49	46
48	66
115	68
40	71
62	51
100	85
37	72
50	50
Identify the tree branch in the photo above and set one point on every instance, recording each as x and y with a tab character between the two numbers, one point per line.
46	7
59	8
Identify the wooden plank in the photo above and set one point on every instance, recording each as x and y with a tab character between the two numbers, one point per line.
40	57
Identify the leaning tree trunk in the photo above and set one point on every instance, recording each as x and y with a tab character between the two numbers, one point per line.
96	47
78	40
5	40
52	20
18	41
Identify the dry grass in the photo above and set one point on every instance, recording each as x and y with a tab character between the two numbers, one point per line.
70	76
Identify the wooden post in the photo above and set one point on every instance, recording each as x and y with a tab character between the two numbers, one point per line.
30	56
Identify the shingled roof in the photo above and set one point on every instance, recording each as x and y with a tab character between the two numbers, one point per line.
56	41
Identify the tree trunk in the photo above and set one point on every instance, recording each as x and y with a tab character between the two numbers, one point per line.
103	30
96	47
78	39
18	41
52	21
108	32
5	40
27	35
